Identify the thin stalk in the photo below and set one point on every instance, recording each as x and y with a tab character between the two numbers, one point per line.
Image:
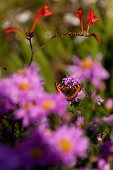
61	34
32	53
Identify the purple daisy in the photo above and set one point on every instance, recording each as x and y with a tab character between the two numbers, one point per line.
65	143
96	98
35	150
40	107
90	70
106	150
108	119
103	165
25	83
80	122
20	87
5	102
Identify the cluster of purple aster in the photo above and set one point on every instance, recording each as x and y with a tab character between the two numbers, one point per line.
23	93
70	82
90	70
45	147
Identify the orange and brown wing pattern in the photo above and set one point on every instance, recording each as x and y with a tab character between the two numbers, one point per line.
75	89
70	92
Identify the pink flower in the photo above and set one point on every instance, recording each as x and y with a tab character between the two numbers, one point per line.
109	104
65	142
89	69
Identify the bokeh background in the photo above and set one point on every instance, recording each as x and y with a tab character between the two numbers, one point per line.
57	54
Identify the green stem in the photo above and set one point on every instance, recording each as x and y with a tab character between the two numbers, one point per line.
31	47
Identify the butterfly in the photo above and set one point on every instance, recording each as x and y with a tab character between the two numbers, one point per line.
70	92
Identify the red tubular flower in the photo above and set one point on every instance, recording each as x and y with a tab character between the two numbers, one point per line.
95	36
44	12
11	29
91	18
79	14
29	33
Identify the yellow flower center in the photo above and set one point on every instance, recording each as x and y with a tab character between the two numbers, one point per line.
81	125
22	72
37	152
65	145
24	86
87	63
48	105
28	105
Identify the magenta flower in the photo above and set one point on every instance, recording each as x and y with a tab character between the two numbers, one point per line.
109	104
35	150
40	107
106	150
25	84
96	98
5	102
80	122
19	88
53	103
89	69
24	92
103	165
65	143
71	80
99	137
108	119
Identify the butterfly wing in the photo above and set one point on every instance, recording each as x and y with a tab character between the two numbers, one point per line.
74	92
60	87
69	92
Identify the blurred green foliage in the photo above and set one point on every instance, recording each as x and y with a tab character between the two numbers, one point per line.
53	59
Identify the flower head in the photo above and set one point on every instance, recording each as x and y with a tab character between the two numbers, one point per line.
89	69
103	164
35	150
40	107
106	150
109	104
11	29
44	12
80	122
65	144
79	14
91	18
108	119
29	33
96	98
